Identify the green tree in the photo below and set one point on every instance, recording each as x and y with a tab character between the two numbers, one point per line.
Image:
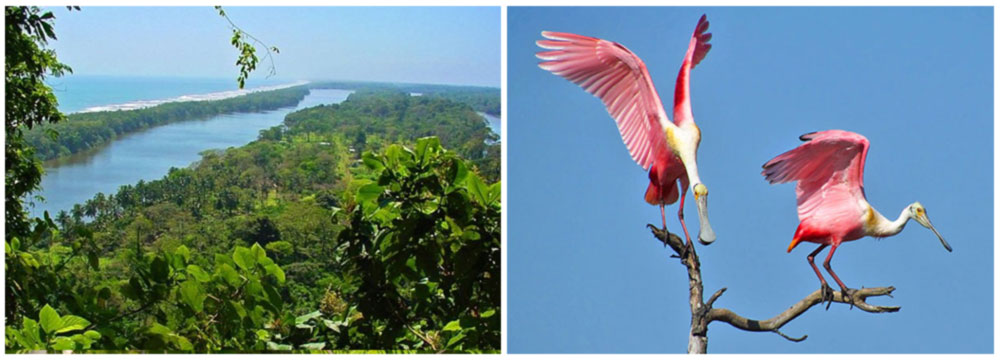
29	102
425	239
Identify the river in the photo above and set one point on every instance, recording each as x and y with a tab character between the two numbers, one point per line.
494	122
149	154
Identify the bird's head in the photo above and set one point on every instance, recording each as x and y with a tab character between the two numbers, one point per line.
918	213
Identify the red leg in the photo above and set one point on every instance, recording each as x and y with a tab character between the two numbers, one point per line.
826	264
843	288
812	256
825	289
680	216
663	215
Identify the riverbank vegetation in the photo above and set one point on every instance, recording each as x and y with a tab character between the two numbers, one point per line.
482	99
370	224
83	131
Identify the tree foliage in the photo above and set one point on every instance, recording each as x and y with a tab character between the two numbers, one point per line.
255	248
28	103
483	99
427	238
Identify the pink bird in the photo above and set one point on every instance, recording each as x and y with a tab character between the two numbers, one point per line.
619	78
830	193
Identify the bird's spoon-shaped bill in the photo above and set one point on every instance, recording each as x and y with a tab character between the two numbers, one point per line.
926	222
705	234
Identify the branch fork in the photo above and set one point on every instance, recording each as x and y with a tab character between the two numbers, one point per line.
703	313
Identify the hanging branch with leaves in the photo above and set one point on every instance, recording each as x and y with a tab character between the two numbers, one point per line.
247	60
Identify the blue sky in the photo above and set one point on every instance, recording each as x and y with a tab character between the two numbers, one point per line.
449	45
585	275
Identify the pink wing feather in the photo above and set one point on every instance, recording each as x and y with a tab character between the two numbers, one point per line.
697	49
827	156
619	78
830	164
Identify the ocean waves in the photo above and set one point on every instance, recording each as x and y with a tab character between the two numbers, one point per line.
140	104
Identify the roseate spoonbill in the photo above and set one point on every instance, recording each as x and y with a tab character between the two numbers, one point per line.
829	168
619	78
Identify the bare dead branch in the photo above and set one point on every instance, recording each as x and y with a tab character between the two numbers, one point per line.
703	313
773	324
714	297
698	338
789	338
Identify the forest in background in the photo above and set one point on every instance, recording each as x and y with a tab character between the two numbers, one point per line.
483	99
84	131
351	226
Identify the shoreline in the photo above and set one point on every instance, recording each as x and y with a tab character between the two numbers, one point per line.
219	95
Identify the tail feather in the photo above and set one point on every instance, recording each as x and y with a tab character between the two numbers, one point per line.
658	195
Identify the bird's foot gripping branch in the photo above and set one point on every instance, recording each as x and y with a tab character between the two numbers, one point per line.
703	313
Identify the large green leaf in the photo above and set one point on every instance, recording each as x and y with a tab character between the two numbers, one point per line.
454	325
83	341
368	192
29	330
278	347
159	329
275	270
260	255
49	319
184	252
455	339
478	190
372	161
305	318
495	190
226	272
63	343
182	343
198	274
72	323
223	259
273	297
458	172
254	287
394	155
238	308
428	207
244	258
313	346
193	295
426	148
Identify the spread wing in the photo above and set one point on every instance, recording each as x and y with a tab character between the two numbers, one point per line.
830	163
619	78
697	49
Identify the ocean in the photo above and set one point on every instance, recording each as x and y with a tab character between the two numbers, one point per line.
77	93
